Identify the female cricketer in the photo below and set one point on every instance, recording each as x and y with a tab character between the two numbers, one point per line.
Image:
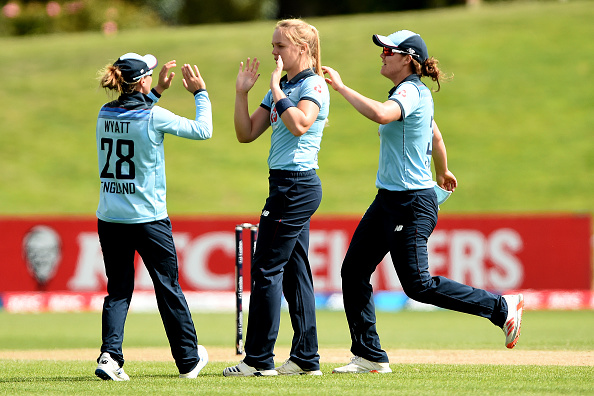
404	212
132	213
296	106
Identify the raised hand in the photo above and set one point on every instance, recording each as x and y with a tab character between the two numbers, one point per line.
193	81
247	77
165	80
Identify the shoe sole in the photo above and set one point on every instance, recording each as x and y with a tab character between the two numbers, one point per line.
104	375
519	307
315	372
362	372
255	374
261	373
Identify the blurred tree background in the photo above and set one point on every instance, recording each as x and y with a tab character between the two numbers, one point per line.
28	17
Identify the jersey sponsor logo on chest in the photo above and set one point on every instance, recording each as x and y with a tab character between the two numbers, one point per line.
273	115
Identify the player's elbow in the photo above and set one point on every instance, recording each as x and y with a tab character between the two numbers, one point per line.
299	128
298	131
244	138
243	135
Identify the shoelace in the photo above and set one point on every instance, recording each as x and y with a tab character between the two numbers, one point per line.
286	363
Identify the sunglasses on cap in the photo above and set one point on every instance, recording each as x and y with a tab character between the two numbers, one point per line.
391	51
148	73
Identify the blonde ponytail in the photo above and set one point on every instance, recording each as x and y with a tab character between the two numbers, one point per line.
110	78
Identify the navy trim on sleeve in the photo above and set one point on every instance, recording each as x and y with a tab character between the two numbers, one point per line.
311	99
157	94
402	115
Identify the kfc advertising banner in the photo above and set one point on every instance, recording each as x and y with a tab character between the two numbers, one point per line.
493	252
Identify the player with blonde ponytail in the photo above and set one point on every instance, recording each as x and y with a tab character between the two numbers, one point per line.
296	107
132	212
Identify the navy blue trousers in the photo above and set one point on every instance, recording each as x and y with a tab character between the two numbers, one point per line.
400	222
281	266
154	242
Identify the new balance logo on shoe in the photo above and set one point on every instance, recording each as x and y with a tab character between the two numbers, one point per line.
398	228
109	370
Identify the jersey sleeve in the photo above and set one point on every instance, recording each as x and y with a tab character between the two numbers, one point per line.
200	128
153	95
407	95
315	89
267	101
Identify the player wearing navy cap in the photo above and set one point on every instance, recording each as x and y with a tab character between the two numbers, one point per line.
132	211
404	212
296	106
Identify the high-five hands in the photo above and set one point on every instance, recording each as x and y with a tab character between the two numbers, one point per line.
165	80
247	77
192	80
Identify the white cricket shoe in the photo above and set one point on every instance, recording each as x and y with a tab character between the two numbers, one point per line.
109	370
203	355
511	328
362	365
291	368
243	370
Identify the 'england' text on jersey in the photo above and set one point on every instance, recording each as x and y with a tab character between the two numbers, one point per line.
116	126
118	188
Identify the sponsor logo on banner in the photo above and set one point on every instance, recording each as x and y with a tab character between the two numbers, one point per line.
496	253
42	253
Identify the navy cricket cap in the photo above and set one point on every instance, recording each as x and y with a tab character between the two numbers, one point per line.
134	66
404	42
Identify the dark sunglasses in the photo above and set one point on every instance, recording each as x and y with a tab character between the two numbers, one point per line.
391	51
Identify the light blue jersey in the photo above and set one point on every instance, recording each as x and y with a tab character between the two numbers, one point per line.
130	133
406	144
287	151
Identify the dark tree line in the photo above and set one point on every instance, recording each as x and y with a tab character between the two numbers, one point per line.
203	11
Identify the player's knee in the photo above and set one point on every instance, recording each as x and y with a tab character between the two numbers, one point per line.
419	292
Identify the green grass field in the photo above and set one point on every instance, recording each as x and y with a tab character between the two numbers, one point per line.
516	117
74	378
406	330
542	330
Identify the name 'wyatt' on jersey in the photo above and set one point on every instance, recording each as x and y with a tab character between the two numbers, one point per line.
130	133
